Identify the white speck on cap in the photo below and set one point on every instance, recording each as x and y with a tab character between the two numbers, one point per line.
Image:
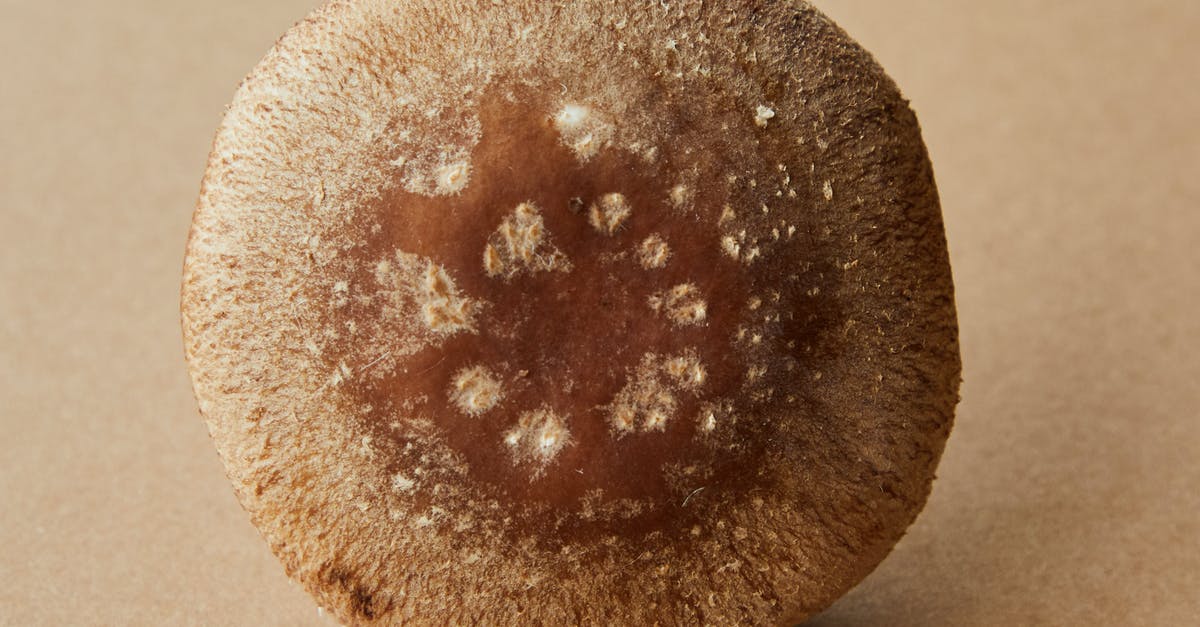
451	179
762	115
571	116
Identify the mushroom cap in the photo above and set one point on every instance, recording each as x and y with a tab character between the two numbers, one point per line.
604	313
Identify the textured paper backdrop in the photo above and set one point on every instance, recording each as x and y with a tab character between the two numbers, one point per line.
1064	137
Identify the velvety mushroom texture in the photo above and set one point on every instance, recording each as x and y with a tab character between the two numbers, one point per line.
605	313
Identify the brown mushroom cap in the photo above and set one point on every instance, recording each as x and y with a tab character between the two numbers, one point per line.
603	313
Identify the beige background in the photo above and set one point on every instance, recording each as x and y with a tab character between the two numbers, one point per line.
1064	135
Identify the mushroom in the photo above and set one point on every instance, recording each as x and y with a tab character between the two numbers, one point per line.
591	313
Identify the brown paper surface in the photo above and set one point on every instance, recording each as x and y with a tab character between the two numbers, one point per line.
1064	137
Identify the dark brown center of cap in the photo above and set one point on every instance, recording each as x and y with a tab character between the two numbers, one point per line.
582	319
